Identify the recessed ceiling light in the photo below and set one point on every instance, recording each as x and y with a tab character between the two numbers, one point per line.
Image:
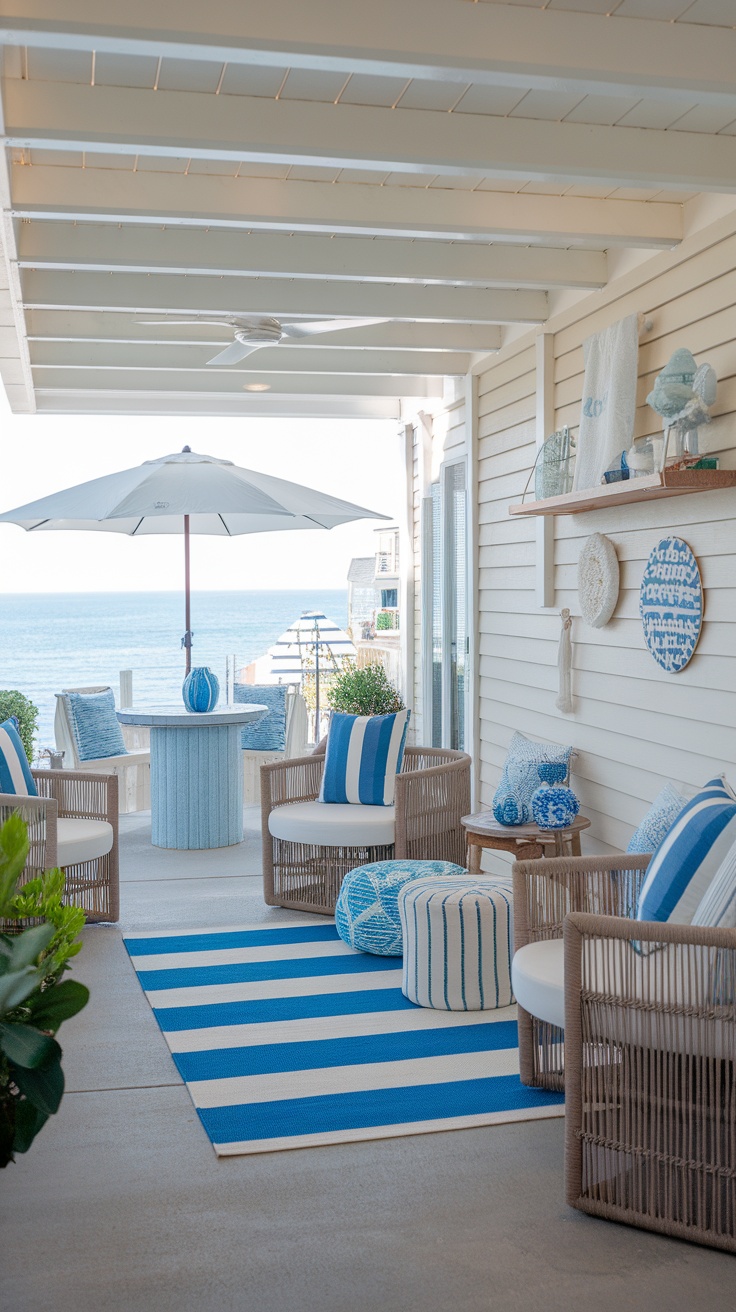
257	387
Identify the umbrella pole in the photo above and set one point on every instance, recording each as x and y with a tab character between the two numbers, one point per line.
187	639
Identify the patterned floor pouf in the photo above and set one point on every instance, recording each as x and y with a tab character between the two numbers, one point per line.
458	936
366	914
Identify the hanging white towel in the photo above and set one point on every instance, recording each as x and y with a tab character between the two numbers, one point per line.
564	701
609	399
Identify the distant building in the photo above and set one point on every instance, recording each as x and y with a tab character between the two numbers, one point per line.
373	604
364	597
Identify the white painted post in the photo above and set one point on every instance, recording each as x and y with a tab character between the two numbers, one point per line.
472	676
126	688
545	524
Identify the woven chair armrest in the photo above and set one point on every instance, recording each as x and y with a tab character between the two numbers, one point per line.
296	779
546	891
431	801
580	925
83	794
40	815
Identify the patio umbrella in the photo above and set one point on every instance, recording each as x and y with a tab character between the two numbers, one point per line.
190	493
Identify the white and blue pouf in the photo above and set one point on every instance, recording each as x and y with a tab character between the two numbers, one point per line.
458	936
366	912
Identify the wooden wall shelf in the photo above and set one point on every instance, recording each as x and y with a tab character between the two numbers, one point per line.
671	483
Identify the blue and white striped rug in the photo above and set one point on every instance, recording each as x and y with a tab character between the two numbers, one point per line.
287	1038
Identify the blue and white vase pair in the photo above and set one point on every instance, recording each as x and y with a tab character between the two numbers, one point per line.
200	690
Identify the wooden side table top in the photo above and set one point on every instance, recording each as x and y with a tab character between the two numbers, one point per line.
483	824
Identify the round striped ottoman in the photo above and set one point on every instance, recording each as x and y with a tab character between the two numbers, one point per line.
366	914
457	942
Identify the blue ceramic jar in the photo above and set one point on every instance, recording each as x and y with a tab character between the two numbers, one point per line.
200	690
511	809
554	805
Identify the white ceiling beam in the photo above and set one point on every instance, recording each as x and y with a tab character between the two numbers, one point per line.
181	124
93	326
56	401
225	253
42	191
158	294
278	359
221	383
461	43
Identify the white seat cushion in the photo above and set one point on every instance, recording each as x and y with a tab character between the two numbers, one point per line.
82	840
333	824
537	974
538	980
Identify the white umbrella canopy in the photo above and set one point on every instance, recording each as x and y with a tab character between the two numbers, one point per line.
188	493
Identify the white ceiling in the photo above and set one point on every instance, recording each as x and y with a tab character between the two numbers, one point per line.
400	160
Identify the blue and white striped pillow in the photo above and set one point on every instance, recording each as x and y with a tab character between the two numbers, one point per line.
686	862
15	774
363	758
717	907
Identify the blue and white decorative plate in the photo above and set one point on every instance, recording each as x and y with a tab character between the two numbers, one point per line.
671	604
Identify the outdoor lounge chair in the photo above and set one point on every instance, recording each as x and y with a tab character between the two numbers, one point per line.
133	769
638	1021
73	823
309	848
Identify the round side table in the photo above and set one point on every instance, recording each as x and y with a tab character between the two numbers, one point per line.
196	773
527	842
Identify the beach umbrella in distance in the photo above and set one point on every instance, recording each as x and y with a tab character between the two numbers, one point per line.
186	493
313	644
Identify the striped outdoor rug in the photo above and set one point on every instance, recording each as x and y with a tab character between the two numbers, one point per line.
287	1038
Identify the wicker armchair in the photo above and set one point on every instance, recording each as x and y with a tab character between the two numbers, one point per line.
649	1050
92	881
432	794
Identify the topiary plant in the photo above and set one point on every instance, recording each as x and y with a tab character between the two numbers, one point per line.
364	691
17	704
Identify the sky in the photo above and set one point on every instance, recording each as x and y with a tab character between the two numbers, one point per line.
358	460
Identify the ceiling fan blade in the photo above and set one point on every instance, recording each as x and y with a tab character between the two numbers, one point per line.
238	351
325	326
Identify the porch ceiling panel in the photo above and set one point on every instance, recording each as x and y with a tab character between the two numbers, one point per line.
441	165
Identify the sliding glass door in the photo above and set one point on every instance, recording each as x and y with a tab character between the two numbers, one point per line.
449	620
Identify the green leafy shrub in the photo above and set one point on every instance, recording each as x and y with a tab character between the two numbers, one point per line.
365	691
16	703
34	1000
384	620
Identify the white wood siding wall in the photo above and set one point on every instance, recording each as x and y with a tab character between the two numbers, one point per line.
634	726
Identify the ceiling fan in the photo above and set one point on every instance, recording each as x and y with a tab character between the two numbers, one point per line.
251	333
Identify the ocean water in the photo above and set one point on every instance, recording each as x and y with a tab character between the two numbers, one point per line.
50	641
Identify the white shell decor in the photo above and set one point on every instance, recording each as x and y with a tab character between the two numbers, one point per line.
598	580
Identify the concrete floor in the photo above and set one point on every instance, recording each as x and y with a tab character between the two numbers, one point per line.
122	1206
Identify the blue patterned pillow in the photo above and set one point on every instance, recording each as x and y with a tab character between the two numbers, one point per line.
520	777
95	726
268	734
363	757
686	861
658	820
15	774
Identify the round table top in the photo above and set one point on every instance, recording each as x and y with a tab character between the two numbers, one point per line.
178	717
484	822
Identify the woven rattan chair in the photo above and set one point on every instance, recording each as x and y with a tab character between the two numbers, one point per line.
649	1049
432	794
91	881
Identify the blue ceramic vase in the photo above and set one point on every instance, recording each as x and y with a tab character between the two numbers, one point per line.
554	805
511	809
200	690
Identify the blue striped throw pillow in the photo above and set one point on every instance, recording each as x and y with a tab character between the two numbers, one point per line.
15	774
686	862
95	726
718	905
363	758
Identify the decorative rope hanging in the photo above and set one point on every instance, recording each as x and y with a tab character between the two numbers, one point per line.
564	701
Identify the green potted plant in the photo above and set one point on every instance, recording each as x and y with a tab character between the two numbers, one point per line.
16	703
365	690
34	999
